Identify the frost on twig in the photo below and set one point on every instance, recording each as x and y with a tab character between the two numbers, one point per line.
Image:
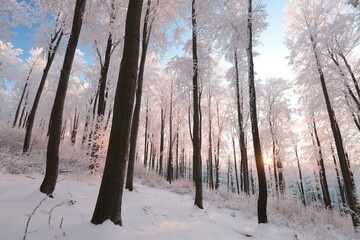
30	216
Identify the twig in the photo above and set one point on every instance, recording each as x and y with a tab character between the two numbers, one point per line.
30	216
50	212
62	220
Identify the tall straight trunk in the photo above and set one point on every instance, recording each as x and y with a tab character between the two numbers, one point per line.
349	183
170	157
262	200
302	192
274	153
108	205
197	165
101	105
74	129
341	189
136	115
50	57
52	154
240	111
177	153
235	165
210	153
146	145
322	172
162	142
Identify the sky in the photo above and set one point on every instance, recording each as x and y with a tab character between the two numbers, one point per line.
271	61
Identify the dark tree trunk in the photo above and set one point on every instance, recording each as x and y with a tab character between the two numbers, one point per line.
322	172
302	192
50	57
177	154
235	165
170	157
146	146
341	188
108	205
23	94
162	142
52	155
136	117
262	200
197	165
22	121
210	153
244	170
349	183
74	129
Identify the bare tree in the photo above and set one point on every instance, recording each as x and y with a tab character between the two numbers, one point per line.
108	205
52	155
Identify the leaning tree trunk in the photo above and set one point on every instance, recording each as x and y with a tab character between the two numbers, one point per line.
51	55
197	166
349	183
23	93
108	205
52	155
262	200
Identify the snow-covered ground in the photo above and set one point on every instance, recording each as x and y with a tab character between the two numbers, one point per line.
154	210
148	213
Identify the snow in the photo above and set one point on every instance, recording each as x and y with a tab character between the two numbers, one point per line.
148	213
154	210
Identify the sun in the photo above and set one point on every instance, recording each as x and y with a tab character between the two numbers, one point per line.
267	160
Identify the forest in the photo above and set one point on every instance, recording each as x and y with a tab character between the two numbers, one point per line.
170	90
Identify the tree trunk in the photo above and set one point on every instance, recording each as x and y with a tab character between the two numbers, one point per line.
262	200
341	189
235	165
52	155
170	157
210	153
23	93
322	172
244	170
108	205
197	165
350	188
162	142
51	55
136	116
302	192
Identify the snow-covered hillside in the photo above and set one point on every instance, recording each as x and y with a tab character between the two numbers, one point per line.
154	210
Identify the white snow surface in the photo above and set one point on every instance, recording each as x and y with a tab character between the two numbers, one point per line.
154	210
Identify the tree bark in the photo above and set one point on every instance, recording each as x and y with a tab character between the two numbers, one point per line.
50	57
262	200
108	205
349	183
52	155
302	192
136	118
197	165
240	109
322	172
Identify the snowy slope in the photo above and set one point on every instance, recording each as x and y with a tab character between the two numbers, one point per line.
148	213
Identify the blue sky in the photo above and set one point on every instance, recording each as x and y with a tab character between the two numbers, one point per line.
270	63
273	52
